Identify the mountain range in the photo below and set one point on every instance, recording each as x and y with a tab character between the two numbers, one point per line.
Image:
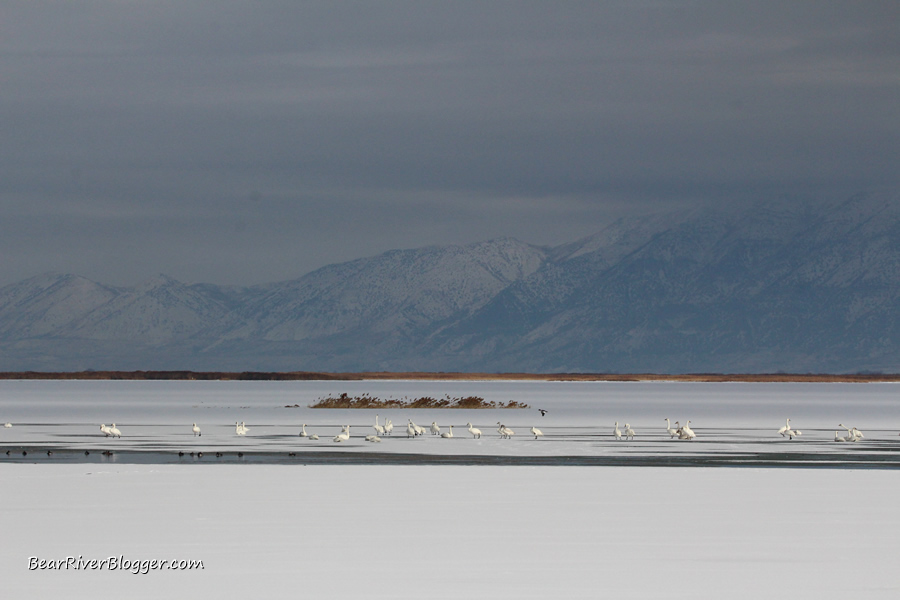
777	287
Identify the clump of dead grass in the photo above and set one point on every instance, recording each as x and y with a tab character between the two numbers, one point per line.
344	400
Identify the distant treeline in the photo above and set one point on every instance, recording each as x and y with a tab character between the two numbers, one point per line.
441	376
367	401
181	375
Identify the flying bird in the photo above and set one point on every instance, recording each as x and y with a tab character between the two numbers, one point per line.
542	411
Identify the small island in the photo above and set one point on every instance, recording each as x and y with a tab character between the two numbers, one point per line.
366	401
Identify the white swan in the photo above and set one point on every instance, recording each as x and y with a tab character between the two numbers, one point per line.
388	426
196	430
435	430
536	432
373	438
410	429
238	430
617	432
786	427
448	434
244	428
104	429
629	432
343	436
314	436
504	431
419	430
303	431
673	433
7	424
853	435
838	438
686	432
114	431
792	433
379	430
476	433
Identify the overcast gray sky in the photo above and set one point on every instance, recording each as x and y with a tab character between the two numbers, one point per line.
246	142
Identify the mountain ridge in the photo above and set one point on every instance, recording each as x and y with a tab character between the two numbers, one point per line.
765	288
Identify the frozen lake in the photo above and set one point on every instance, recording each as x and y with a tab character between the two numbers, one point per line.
398	532
448	518
736	423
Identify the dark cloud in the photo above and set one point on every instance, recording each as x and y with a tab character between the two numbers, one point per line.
242	142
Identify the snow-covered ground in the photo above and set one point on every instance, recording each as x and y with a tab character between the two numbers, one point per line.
290	522
276	531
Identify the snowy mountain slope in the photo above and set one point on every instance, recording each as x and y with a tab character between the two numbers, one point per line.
44	304
396	293
769	290
157	311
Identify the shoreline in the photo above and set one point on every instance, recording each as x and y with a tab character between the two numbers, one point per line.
355	456
444	376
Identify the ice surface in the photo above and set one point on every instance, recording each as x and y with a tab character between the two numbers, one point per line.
274	531
285	526
735	422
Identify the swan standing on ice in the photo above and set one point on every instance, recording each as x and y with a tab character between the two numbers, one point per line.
388	426
104	430
379	430
114	431
448	434
435	430
504	431
853	435
673	433
343	436
686	432
536	432
784	428
303	431
617	432
629	432
476	433
196	430
410	429
792	433
239	428
419	430
7	424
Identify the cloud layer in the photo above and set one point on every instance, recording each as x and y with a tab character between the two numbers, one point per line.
241	142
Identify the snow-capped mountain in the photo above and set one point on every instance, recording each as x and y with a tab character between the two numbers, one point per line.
803	288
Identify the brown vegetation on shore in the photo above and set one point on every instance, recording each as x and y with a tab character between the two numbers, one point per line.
367	401
440	376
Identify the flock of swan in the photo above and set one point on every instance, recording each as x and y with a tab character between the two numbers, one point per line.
111	431
680	432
